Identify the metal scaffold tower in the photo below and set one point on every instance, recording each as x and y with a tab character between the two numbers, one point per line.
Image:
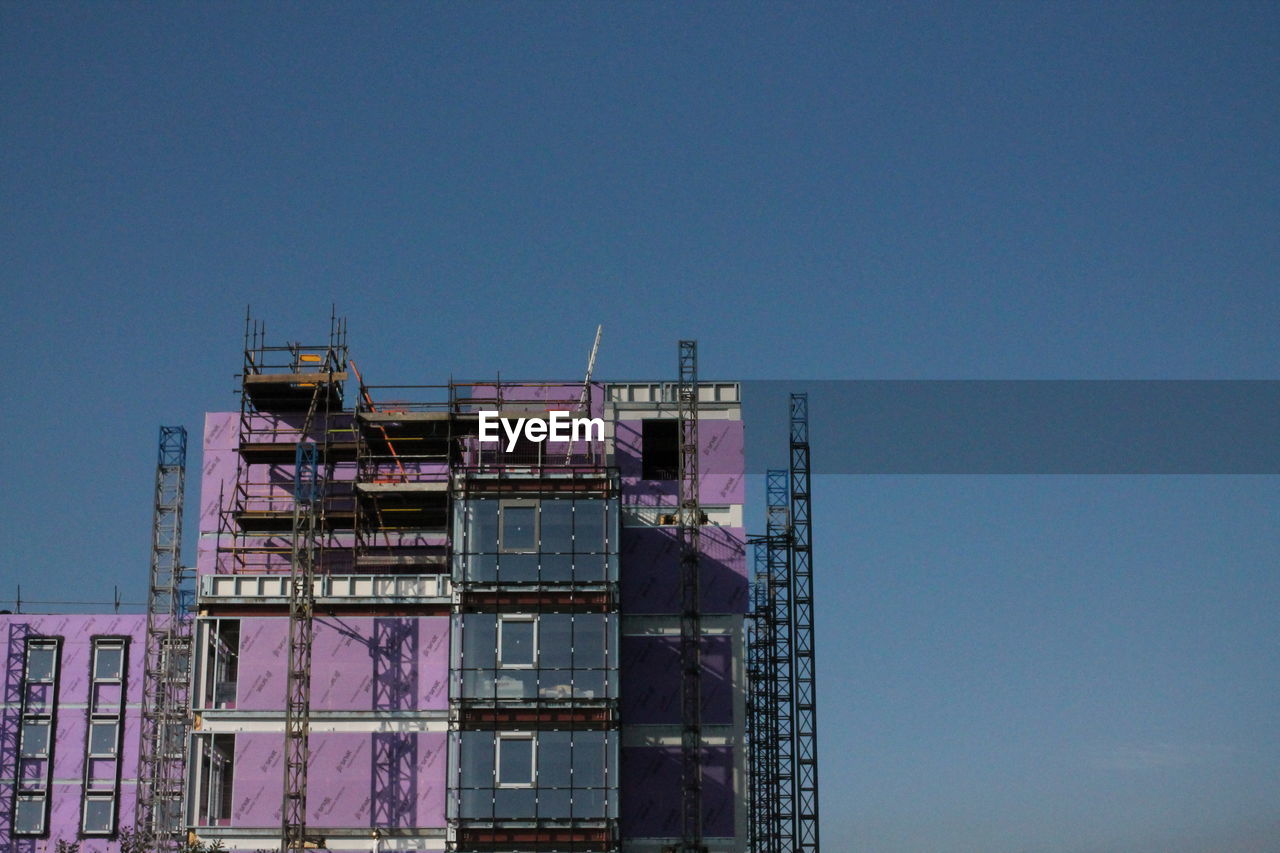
165	700
690	522
782	694
311	459
804	720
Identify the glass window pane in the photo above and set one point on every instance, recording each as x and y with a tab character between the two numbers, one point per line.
98	814
481	567
556	641
108	662
515	761
516	642
588	760
519	531
35	739
557	568
588	641
102	738
29	816
40	660
518	568
484	527
588	527
557	527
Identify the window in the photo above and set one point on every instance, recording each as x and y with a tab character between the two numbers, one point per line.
220	663
516	761
103	738
108	661
33	769
215	777
518	527
660	449
28	818
35	738
517	641
42	657
105	716
99	814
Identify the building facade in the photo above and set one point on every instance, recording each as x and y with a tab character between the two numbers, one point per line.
68	729
495	639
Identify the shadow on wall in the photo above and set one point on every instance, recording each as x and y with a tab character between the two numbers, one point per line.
650	581
393	784
651	777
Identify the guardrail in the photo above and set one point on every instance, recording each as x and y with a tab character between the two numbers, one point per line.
328	587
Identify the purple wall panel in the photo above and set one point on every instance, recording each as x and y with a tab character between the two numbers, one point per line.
651	679
720	465
217	479
221	430
264	664
359	663
651	780
77	632
650	580
353	780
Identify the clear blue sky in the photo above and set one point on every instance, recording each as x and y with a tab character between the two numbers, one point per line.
953	190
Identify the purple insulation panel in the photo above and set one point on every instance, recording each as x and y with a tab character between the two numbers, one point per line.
651	679
70	710
650	575
721	463
355	779
651	792
358	663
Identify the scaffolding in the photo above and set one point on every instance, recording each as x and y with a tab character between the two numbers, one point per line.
166	675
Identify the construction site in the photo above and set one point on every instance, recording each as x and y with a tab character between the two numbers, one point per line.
396	636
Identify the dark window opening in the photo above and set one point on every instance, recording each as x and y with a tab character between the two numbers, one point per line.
660	449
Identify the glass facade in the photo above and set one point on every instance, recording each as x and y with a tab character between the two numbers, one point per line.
550	540
534	668
537	775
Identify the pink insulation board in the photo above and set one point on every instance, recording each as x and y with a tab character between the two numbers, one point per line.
355	779
652	805
721	464
358	663
650	578
651	679
70	711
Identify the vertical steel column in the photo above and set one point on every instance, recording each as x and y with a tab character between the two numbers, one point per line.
691	607
165	692
301	610
805	718
762	709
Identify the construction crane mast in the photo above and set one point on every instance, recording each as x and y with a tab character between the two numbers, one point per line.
166	674
782	688
310	459
690	523
804	720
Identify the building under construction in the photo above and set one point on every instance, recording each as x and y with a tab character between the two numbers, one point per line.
398	636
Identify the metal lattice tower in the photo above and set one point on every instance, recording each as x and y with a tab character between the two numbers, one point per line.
762	717
805	717
690	519
166	675
310	462
781	685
